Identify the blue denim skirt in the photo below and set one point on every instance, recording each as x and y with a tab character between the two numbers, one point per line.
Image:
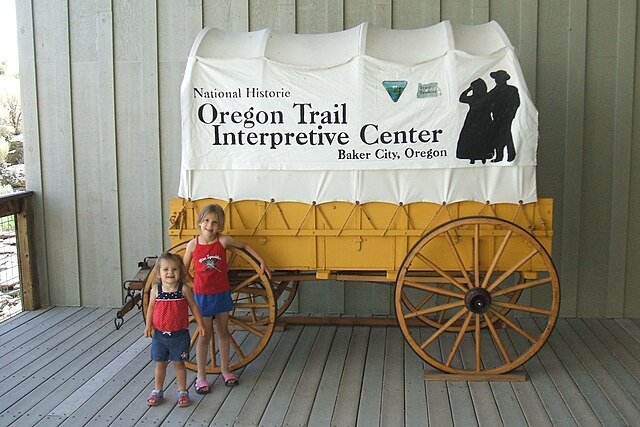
212	304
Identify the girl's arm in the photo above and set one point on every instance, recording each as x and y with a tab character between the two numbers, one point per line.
186	258
148	330
230	241
188	295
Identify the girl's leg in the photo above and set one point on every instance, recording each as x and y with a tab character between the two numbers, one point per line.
181	375
161	372
181	379
222	333
202	348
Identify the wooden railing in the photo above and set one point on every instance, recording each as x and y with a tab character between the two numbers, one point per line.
21	205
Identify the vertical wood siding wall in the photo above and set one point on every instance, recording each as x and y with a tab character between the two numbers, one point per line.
101	81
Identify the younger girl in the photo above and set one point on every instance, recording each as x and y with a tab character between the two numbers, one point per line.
211	288
167	321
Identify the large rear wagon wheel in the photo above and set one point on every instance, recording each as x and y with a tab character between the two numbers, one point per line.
252	320
501	272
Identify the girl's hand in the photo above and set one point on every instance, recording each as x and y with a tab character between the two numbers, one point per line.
148	332
265	269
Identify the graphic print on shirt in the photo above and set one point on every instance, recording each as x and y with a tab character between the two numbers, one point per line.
210	262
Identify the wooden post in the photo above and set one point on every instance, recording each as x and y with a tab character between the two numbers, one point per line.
27	256
20	204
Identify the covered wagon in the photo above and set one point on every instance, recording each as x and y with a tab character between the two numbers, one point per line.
405	157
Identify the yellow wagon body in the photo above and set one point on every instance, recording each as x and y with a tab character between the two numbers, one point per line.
340	237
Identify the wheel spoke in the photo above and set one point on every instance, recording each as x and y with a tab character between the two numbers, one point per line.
425	300
526	308
235	297
496	258
236	347
281	287
251	291
522	286
461	333
248	281
443	328
252	305
442	273
458	259
476	254
513	269
443	312
434	289
513	326
254	318
478	338
194	337
434	309
497	339
245	325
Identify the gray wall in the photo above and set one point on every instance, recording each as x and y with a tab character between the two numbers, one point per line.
100	84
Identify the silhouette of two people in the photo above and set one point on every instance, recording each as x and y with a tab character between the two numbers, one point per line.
486	132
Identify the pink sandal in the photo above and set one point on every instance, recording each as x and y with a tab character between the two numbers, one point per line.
202	387
230	380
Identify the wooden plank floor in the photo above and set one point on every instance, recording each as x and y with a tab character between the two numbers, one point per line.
69	366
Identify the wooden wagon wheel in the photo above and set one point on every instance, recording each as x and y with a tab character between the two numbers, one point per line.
477	306
252	320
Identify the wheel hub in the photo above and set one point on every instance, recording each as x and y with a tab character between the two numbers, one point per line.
478	300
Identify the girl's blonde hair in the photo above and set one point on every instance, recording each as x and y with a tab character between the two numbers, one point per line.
216	209
168	256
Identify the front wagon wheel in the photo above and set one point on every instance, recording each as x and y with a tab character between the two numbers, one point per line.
252	320
469	280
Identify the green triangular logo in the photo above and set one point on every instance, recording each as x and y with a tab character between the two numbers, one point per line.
394	88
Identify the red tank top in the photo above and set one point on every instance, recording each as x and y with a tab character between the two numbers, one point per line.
171	311
210	267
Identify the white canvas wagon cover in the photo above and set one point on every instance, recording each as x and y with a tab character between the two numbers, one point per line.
439	114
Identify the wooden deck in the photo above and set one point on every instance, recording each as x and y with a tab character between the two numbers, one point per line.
70	367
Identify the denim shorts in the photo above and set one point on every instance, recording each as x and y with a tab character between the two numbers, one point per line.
170	348
212	304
